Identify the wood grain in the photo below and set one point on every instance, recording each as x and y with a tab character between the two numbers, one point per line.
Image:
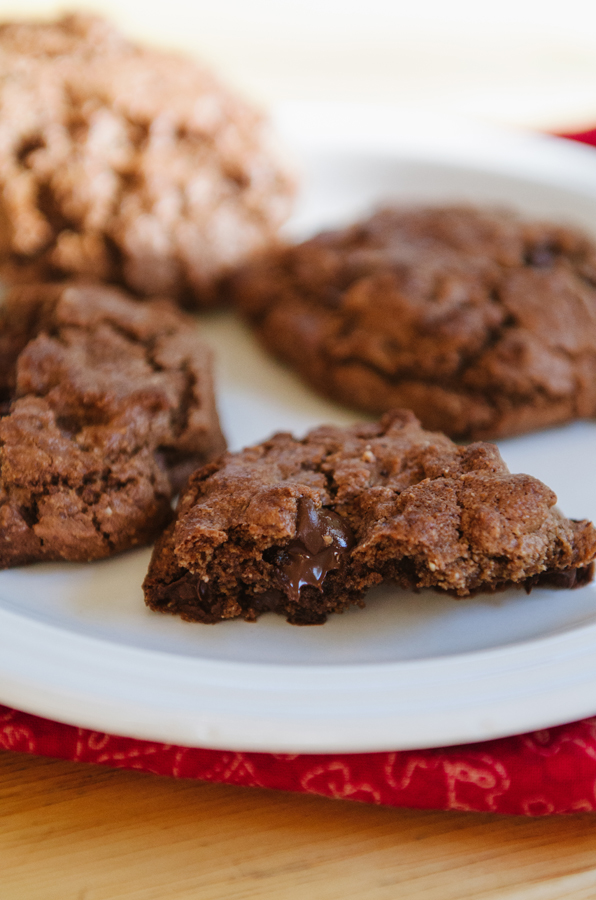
75	832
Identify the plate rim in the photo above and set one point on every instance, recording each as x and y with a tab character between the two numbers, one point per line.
303	733
272	729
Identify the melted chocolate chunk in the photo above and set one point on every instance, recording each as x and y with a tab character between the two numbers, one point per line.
542	256
566	578
322	543
192	598
186	590
268	601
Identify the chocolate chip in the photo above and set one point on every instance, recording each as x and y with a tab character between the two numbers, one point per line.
322	543
541	256
267	601
566	578
187	589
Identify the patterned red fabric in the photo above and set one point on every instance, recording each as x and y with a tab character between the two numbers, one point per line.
549	771
552	771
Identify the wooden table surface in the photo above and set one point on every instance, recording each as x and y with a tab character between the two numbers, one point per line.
69	831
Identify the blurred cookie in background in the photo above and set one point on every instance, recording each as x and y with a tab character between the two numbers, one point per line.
127	164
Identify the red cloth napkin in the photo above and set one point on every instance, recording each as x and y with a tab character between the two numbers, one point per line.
543	773
549	771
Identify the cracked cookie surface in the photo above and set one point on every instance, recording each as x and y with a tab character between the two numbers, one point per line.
128	165
483	324
107	406
304	527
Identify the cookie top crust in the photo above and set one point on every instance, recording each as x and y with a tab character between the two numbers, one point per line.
483	324
257	529
128	164
107	405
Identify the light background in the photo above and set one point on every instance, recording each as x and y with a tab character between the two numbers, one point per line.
514	61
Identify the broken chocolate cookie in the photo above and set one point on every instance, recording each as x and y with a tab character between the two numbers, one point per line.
304	527
107	406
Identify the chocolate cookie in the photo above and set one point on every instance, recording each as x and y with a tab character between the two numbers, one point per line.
107	406
483	324
127	164
304	527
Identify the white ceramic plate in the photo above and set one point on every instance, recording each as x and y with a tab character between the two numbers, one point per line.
78	645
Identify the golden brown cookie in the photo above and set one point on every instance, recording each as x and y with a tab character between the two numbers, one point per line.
127	164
